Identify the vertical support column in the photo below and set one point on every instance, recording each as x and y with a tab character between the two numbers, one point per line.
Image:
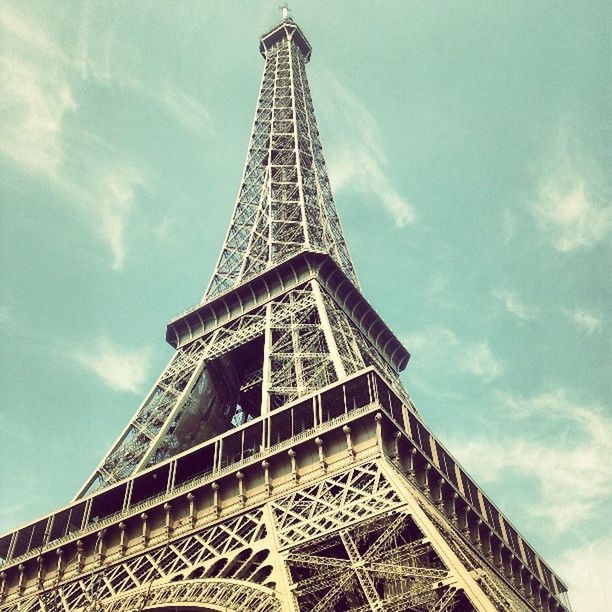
241	488
59	568
426	487
86	512
100	551
296	149
21	583
395	456
216	498
40	572
171	476
411	471
80	558
145	531
349	442
217	454
378	421
327	331
9	556
167	519
267	364
295	472
2	586
440	499
453	514
127	498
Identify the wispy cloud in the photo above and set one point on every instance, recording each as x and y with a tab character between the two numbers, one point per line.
184	108
572	207
358	160
563	446
100	56
439	348
437	292
34	101
585	321
40	132
478	359
586	568
514	306
119	368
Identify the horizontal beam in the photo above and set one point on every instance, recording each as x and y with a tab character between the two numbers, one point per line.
277	280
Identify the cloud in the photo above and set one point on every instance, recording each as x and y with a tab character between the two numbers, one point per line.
120	369
41	136
440	349
562	446
514	306
478	359
185	109
586	568
436	292
100	56
34	102
571	208
358	160
584	320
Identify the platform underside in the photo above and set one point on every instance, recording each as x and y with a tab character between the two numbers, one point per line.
361	538
346	532
348	504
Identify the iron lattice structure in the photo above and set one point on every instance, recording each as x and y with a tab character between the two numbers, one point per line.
278	463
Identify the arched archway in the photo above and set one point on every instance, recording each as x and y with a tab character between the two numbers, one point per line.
199	595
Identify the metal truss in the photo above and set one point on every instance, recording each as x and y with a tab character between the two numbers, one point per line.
285	202
349	545
284	205
299	358
363	538
128	452
313	511
201	566
499	592
357	352
307	343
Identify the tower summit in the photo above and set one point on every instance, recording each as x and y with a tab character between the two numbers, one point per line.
278	463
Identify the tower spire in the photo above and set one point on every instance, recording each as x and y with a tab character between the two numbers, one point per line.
284	203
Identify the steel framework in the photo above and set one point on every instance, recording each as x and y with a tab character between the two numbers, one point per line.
278	463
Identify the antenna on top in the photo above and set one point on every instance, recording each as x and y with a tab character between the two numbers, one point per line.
286	12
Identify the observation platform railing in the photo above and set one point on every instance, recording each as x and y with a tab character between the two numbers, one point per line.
342	402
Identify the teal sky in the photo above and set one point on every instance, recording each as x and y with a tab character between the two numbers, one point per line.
468	145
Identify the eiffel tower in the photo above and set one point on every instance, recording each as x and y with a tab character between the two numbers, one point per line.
278	463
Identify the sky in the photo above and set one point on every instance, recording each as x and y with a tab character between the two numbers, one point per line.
468	145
